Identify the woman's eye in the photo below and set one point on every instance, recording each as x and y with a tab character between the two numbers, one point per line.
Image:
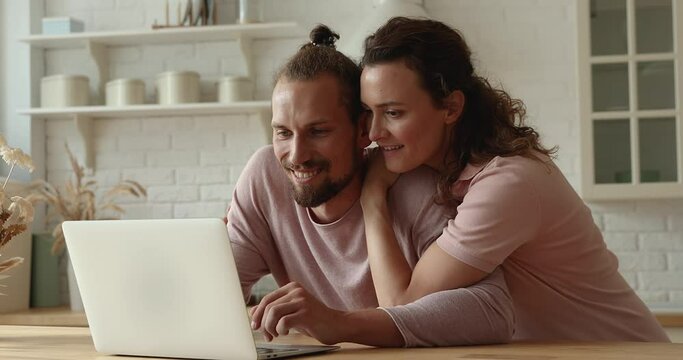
319	131
393	113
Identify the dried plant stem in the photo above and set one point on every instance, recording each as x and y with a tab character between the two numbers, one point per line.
10	263
77	200
8	175
7	233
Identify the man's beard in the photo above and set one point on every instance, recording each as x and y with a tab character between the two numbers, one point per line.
316	195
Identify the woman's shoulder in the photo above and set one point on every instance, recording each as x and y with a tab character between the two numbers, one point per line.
532	166
535	172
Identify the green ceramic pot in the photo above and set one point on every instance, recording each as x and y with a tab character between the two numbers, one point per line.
44	273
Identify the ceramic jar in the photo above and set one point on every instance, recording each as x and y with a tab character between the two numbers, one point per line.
177	87
234	88
64	91
249	11
122	92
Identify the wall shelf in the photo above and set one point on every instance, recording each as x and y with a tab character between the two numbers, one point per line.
149	110
84	115
167	35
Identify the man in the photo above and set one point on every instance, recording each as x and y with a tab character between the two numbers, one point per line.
295	214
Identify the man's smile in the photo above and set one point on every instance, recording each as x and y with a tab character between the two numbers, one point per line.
304	176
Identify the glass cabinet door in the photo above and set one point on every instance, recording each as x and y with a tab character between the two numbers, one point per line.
633	108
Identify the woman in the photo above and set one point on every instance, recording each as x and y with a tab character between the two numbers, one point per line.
514	208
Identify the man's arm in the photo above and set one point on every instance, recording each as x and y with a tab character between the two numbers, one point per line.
246	223
479	314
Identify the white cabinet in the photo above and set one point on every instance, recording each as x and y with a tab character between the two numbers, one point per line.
630	96
97	43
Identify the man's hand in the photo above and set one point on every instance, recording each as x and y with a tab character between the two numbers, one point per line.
292	307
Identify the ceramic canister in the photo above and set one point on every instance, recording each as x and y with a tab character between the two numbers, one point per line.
64	91
234	88
121	92
177	87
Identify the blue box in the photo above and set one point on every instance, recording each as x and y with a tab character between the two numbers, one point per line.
61	25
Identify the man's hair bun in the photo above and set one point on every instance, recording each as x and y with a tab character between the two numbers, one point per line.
321	35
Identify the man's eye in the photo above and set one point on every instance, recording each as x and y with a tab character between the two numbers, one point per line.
283	133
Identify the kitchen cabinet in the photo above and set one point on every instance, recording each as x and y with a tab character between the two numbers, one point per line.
630	96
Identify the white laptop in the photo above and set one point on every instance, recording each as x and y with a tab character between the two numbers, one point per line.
166	288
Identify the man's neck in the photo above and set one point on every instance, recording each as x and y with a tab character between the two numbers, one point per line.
333	209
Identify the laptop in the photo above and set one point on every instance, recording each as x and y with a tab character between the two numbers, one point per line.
166	288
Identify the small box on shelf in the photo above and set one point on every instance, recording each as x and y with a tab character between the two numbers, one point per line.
61	25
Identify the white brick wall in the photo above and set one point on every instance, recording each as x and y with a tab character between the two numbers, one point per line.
190	164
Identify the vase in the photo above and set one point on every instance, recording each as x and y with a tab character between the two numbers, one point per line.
75	301
44	272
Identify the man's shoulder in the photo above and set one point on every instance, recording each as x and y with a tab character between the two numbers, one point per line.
263	172
414	191
264	156
422	179
262	164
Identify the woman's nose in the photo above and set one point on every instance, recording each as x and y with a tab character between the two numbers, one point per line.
377	130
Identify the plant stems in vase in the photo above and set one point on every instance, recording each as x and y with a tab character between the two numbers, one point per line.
16	213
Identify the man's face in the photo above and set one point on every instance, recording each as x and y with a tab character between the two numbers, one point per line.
318	146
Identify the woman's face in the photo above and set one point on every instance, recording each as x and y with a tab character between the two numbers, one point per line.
405	123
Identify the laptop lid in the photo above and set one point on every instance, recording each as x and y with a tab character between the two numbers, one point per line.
161	288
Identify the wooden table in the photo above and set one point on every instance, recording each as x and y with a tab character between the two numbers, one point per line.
36	342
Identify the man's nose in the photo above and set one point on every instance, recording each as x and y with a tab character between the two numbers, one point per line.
300	151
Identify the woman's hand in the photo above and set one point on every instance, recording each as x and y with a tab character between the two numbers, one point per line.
378	179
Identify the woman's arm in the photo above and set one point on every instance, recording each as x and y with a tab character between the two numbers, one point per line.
395	282
479	314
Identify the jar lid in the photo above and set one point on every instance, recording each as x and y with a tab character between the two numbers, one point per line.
62	77
178	73
125	81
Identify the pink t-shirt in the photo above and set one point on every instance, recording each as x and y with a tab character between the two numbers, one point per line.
522	214
270	233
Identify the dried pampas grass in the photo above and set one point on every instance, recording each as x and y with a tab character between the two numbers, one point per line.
15	217
78	200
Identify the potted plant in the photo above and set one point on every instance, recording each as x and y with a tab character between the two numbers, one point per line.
77	201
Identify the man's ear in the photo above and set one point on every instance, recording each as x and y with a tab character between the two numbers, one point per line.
363	129
455	104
